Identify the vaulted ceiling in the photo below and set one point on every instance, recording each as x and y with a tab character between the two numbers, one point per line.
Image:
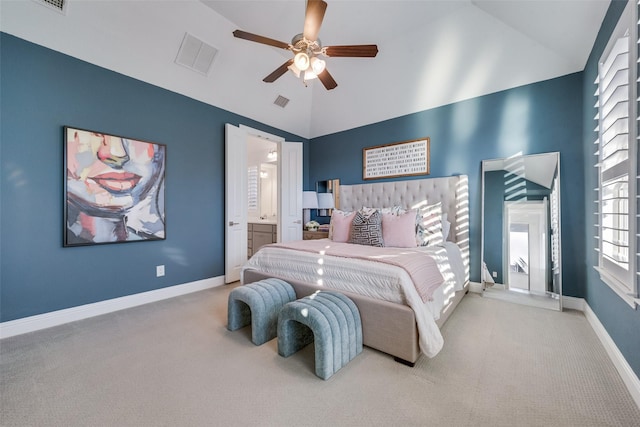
431	53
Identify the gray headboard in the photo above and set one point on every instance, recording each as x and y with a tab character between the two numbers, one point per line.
452	191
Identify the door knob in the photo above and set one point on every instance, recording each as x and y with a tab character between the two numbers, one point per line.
297	222
231	223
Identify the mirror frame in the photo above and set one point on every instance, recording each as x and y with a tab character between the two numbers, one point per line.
499	164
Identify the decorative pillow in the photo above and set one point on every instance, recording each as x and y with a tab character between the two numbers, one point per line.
399	231
430	227
340	227
446	227
367	212
367	230
393	210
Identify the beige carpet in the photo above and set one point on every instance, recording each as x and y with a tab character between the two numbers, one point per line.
173	363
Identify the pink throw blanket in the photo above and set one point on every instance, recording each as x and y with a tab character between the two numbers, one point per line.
420	266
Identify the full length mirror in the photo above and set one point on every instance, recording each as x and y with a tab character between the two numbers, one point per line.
521	246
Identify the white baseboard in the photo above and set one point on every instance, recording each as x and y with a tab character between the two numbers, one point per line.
59	317
627	374
573	303
475	287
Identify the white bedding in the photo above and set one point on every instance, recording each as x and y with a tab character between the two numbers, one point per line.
373	279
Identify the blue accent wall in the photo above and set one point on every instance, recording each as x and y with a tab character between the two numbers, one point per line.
619	319
493	222
536	118
43	90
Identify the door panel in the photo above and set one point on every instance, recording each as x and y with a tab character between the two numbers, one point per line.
235	202
290	194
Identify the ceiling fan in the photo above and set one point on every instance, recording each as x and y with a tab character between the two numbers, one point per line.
307	49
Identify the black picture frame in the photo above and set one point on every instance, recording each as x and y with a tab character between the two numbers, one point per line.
114	189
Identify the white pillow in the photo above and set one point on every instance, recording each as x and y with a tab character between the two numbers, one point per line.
446	227
430	229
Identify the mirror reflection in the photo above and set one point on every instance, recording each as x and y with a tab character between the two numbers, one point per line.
328	196
521	229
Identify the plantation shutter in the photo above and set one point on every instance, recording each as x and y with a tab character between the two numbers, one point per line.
616	157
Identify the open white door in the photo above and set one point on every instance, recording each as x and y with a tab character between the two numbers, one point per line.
236	194
235	198
290	192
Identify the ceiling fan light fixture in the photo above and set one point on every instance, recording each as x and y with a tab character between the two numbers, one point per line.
301	60
295	70
309	75
306	48
317	65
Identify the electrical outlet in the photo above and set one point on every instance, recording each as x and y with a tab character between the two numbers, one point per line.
494	274
159	270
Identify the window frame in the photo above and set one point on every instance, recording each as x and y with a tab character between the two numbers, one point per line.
623	282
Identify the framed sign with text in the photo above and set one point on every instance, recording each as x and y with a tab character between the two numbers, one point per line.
404	158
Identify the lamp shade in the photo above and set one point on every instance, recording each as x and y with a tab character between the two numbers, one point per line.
309	200
317	65
325	201
301	60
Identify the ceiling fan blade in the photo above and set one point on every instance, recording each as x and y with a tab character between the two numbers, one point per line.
278	72
313	19
327	80
353	51
260	39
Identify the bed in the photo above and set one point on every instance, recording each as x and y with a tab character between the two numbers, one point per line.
398	316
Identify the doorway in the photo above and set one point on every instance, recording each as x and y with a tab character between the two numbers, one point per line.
262	180
287	219
526	246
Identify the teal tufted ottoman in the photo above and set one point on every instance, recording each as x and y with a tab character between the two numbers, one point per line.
331	320
258	304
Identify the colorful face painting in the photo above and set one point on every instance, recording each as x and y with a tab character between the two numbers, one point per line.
114	189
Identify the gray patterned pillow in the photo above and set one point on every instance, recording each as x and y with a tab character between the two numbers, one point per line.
367	230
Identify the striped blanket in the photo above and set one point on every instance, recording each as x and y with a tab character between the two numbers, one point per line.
420	266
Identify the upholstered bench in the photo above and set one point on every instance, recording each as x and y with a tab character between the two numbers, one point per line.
331	320
258	304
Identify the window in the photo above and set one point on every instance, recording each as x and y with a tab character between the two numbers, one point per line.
616	158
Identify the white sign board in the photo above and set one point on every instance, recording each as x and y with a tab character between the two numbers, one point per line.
400	159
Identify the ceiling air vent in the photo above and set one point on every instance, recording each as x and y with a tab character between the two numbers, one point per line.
195	54
57	5
281	101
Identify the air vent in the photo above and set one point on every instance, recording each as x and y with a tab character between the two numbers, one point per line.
195	54
57	5
281	101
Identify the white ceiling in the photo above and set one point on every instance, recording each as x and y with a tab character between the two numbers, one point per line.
432	53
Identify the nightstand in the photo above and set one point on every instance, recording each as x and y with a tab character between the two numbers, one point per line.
312	235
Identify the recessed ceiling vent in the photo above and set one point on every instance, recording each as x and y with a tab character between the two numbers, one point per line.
281	101
196	54
57	5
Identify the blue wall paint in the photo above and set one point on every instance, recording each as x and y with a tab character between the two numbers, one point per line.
621	321
493	223
532	119
42	91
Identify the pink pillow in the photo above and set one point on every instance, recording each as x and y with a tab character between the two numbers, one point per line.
341	225
399	231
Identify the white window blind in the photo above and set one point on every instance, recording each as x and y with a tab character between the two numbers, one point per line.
616	158
252	183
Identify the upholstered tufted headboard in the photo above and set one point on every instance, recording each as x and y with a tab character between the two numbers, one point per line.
452	191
